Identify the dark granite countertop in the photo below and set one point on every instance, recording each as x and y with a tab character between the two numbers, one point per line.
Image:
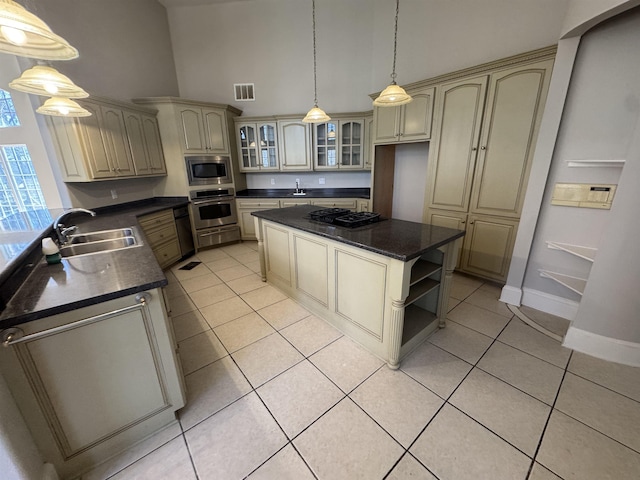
83	280
393	238
310	193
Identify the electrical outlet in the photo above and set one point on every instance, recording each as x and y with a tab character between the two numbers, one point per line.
273	181
321	180
114	194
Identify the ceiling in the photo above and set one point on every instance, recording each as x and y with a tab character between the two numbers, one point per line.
187	3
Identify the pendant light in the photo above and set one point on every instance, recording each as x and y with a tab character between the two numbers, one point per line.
394	94
24	34
47	81
62	107
316	114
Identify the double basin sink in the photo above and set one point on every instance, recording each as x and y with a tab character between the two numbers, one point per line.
103	241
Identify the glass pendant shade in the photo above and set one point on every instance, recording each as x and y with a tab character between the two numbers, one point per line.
316	115
392	96
62	107
24	34
47	81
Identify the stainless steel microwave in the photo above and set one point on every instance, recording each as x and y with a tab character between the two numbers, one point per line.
208	170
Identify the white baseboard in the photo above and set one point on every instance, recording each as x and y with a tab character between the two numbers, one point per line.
558	306
606	348
511	295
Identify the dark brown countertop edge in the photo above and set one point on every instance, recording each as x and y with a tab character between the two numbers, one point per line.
310	193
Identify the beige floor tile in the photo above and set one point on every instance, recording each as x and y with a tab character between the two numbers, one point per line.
236	440
453	303
345	363
299	396
233	273
538	472
196	271
211	295
266	358
210	389
608	412
283	313
435	368
523	337
398	403
170	462
526	372
506	411
243	331
467	279
310	334
222	264
225	311
133	454
246	258
551	323
180	305
461	341
346	444
263	297
488	300
211	255
174	290
198	283
455	447
617	377
237	250
460	290
245	284
409	468
171	278
284	465
252	244
493	289
200	350
189	324
478	319
572	450
254	267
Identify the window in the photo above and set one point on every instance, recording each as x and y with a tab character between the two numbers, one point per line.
22	205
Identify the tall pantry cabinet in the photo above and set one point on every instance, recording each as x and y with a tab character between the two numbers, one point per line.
485	131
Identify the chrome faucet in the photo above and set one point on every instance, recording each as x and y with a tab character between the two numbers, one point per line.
60	230
297	186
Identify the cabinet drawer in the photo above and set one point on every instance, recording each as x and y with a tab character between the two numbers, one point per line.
168	254
156	220
257	203
162	235
337	203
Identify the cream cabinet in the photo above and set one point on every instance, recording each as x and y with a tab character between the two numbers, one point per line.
369	147
349	203
203	129
257	146
118	140
162	235
95	381
407	123
479	161
294	145
245	219
339	144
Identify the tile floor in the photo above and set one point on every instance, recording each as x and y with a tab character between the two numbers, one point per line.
276	393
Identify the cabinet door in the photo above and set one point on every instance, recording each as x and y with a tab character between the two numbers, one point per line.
510	127
215	130
152	140
246	220
268	147
192	130
351	144
117	142
386	121
326	146
135	134
415	117
94	143
488	246
442	218
369	148
294	145
247	147
453	153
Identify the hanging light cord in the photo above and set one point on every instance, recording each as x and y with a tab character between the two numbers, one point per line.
315	82
395	43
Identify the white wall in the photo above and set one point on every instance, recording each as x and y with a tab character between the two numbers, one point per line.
582	15
310	180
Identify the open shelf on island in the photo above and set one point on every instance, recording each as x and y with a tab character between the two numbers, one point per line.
420	289
422	269
416	319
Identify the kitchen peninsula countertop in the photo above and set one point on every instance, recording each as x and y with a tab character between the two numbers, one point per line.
309	193
82	280
393	238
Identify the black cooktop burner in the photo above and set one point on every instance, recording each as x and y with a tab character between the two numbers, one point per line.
344	218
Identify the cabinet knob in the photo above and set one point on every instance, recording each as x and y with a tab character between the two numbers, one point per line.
483	148
471	222
473	149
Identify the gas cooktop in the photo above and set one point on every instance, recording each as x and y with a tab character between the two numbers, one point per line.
344	218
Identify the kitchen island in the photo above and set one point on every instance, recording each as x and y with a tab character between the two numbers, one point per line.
385	285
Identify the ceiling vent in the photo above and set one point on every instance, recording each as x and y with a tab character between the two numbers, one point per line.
245	92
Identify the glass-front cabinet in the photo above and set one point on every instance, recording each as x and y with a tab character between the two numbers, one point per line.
257	146
339	144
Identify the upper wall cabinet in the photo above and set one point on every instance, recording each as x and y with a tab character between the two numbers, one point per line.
339	144
118	140
407	123
257	146
203	130
294	138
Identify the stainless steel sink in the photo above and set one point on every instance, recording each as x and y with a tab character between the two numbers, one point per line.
103	241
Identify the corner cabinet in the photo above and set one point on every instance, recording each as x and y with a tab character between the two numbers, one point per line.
407	123
339	144
479	161
95	381
118	140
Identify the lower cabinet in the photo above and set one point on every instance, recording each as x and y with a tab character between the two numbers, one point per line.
162	235
488	244
92	382
350	203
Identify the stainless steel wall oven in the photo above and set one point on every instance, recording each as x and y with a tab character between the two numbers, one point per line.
214	216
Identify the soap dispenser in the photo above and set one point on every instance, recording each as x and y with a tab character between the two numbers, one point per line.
51	251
